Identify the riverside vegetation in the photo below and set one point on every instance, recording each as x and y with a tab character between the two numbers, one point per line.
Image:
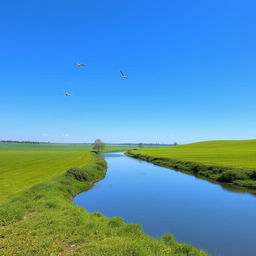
23	164
223	161
42	220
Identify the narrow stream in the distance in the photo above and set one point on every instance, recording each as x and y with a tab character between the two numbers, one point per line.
209	216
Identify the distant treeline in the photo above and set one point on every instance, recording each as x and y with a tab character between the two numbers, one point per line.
120	144
23	141
135	144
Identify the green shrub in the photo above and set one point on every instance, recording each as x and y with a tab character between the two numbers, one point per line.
246	183
216	170
232	175
168	239
115	222
252	175
97	214
196	168
79	174
186	249
133	228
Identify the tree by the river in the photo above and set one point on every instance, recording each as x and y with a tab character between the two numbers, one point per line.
98	145
141	145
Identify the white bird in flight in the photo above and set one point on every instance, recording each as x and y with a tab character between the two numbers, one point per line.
80	65
67	93
123	75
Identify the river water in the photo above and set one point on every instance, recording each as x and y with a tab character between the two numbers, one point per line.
216	218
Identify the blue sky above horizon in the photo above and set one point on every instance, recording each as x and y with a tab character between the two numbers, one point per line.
190	66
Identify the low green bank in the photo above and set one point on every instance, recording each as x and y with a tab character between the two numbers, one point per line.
24	164
223	161
43	221
19	170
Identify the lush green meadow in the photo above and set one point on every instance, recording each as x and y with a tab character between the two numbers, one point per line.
23	165
43	221
233	153
227	161
22	169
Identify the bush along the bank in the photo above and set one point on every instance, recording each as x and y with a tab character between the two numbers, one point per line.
80	174
237	176
44	222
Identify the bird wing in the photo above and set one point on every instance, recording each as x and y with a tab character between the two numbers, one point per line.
122	73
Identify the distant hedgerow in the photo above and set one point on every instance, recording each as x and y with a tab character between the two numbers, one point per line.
239	176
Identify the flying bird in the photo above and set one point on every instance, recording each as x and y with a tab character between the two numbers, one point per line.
80	65
67	93
123	75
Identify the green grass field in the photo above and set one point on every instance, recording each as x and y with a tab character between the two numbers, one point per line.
23	165
235	153
231	161
39	218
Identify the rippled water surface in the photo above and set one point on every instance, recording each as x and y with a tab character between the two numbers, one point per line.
219	219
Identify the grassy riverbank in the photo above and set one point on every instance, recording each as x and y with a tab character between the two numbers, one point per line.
42	220
23	165
223	161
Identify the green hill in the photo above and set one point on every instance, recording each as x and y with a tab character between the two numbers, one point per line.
233	153
227	160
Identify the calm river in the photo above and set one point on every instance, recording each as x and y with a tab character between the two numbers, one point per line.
213	217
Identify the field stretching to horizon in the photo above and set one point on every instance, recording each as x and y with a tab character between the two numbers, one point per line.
231	161
235	153
23	164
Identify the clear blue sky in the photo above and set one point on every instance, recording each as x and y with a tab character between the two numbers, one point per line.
191	68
